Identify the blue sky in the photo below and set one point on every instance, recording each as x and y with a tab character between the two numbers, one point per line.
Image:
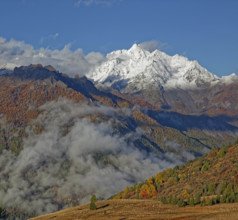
205	30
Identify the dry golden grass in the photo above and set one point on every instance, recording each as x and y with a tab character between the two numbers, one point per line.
144	209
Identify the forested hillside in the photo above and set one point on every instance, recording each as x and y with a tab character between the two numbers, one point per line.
206	180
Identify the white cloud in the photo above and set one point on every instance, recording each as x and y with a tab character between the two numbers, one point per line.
64	60
74	158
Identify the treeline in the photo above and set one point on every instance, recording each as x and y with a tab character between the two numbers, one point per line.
228	194
14	214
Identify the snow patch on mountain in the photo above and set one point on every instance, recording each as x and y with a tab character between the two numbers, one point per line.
137	69
229	79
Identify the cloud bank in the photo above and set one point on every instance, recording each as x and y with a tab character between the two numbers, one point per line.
64	60
73	159
19	53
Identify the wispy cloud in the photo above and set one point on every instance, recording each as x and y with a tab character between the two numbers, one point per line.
49	38
153	45
106	3
73	159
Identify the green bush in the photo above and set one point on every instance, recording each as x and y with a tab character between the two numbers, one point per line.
164	200
223	151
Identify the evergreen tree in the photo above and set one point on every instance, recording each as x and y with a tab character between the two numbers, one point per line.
223	151
3	213
175	200
197	198
218	198
170	199
203	202
191	201
212	188
236	197
232	197
92	203
181	203
223	187
163	200
222	199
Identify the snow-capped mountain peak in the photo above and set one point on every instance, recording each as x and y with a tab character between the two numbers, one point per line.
136	69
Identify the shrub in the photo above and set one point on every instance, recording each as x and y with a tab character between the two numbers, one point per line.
197	198
163	200
208	201
223	151
236	141
191	201
206	165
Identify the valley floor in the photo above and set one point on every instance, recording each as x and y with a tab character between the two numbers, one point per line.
144	209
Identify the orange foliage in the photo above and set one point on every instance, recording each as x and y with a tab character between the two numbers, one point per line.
20	102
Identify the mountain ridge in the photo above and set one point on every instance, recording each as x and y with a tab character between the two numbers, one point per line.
137	64
167	82
45	112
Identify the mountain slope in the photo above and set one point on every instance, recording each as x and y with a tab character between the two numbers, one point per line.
210	179
62	139
143	209
58	134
